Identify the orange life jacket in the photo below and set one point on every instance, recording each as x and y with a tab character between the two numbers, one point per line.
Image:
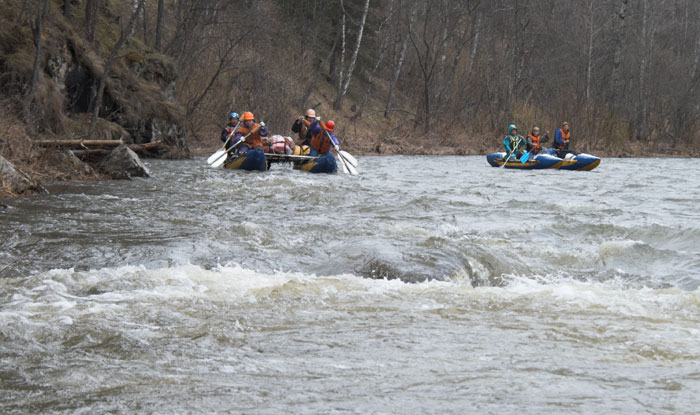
564	136
254	139
535	143
321	142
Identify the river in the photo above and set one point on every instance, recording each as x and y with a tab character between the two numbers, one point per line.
423	285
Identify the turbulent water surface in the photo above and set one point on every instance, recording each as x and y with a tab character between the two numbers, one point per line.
424	285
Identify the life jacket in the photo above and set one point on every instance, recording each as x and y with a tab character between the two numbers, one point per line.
253	140
564	136
515	141
535	143
321	142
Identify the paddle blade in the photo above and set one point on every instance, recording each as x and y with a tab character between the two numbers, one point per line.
218	162
352	169
524	158
505	161
216	155
349	158
342	164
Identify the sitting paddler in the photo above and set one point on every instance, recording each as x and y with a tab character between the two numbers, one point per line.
534	139
514	143
301	127
562	138
251	131
322	137
229	129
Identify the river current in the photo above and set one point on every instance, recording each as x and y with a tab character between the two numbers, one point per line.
423	285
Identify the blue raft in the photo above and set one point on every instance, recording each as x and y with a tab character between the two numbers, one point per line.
323	164
537	162
252	160
581	161
547	159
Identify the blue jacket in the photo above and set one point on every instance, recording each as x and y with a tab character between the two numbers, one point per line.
559	140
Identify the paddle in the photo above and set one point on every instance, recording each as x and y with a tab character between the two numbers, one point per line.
347	165
511	152
349	158
524	157
218	162
222	150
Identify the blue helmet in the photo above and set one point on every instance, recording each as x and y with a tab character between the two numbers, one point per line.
233	115
511	128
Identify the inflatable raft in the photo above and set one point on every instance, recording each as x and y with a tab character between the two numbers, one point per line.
252	160
323	164
580	161
546	160
538	162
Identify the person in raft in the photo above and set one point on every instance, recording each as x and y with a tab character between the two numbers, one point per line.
229	130
322	137
514	143
301	127
534	139
562	139
252	131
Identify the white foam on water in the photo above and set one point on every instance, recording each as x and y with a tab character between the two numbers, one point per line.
65	296
613	296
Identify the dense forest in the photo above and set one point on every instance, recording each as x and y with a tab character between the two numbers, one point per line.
398	76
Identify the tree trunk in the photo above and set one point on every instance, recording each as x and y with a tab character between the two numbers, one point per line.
341	65
616	76
346	82
397	62
37	31
108	65
589	55
91	9
67	9
475	42
159	26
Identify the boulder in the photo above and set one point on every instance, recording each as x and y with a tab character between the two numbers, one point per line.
123	164
14	182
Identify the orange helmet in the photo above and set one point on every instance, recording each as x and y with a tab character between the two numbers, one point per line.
248	116
330	125
311	113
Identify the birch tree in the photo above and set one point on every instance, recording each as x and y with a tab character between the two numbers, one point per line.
345	74
399	46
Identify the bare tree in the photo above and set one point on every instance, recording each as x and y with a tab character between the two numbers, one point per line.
345	74
399	46
159	26
37	31
108	65
67	9
91	11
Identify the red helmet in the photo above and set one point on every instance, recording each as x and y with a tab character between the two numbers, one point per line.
330	125
248	116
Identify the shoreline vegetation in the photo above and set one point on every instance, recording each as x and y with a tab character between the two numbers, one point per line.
396	76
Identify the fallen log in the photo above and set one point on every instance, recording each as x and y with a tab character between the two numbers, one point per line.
85	144
77	143
145	146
